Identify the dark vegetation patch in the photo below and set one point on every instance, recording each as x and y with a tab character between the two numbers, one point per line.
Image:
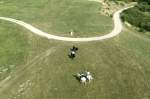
139	16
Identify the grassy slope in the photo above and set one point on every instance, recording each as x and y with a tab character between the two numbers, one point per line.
13	48
120	67
60	17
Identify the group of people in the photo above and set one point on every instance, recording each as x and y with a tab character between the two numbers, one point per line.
84	77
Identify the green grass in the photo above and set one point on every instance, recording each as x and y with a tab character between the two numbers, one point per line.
60	17
13	48
120	67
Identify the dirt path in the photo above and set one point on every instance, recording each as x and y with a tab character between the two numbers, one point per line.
117	29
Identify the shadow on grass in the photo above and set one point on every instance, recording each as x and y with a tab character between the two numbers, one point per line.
77	78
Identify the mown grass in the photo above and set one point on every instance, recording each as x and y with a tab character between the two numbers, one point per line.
60	17
13	48
120	67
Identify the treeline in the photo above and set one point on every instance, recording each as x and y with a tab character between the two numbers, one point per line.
148	1
139	16
125	0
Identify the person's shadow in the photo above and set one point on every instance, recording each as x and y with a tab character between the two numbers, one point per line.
70	56
76	77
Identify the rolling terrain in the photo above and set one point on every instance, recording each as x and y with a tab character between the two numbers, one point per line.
39	68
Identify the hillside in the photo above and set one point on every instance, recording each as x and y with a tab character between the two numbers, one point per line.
35	67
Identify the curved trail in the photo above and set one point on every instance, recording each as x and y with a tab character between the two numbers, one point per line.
117	29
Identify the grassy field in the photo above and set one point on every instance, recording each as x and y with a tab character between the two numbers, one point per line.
41	69
120	67
60	17
13	48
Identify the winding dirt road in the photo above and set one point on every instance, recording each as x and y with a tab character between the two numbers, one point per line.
117	29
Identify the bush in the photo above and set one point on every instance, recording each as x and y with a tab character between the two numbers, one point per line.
143	6
138	16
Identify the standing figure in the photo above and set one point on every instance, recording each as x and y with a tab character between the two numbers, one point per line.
89	76
73	54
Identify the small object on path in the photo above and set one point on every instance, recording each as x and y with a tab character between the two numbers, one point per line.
71	32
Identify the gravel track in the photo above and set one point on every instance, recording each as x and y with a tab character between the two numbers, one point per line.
116	30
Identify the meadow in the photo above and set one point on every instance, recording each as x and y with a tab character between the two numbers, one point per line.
41	69
60	17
